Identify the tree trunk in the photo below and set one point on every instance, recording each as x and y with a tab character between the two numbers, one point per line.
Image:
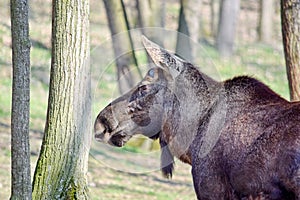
214	7
20	149
158	9
151	16
188	28
151	13
122	44
266	21
62	165
290	19
228	17
144	13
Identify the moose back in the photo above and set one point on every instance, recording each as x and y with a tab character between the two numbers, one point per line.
241	138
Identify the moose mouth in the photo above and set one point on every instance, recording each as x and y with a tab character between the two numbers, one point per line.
118	139
103	133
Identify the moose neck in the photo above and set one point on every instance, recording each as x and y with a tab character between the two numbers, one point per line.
194	94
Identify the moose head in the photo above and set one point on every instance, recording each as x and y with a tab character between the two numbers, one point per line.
165	104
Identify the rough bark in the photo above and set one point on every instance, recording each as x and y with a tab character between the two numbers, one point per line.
228	17
290	19
122	44
188	28
266	20
20	149
62	165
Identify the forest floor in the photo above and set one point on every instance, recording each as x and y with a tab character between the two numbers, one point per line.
113	173
129	172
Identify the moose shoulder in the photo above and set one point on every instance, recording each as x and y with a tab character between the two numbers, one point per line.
241	138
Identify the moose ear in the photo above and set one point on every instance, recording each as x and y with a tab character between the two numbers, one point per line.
163	59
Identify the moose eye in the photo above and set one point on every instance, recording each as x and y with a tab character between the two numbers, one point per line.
151	73
139	93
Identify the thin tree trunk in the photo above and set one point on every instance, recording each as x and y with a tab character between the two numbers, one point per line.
130	38
228	17
266	20
290	19
122	44
20	149
62	165
183	44
214	17
188	28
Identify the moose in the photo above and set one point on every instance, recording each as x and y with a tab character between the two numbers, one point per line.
240	137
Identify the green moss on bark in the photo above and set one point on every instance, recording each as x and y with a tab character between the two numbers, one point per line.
66	142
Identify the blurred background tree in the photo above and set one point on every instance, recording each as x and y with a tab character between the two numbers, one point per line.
151	13
265	28
188	28
229	10
122	43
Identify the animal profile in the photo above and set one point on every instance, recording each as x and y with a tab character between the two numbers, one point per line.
241	138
